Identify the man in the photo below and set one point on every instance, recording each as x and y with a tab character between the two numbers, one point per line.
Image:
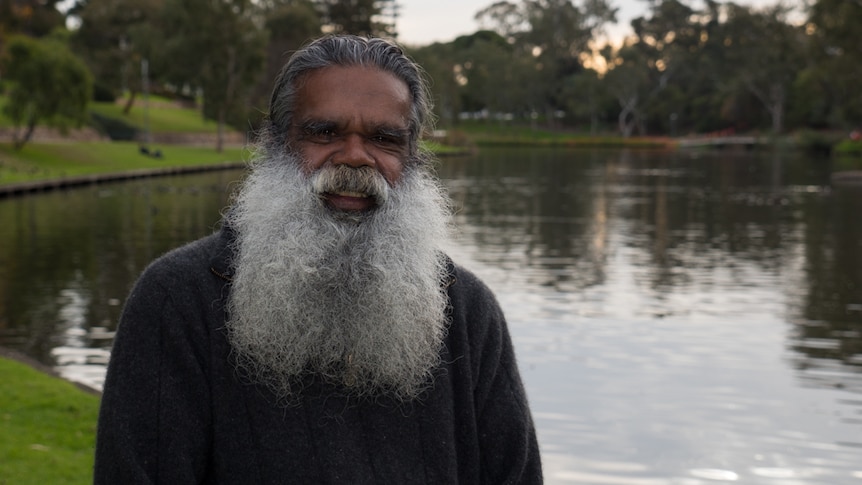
321	336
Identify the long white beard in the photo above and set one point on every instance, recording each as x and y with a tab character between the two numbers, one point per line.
354	301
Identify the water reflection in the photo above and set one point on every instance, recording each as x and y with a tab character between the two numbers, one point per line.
680	318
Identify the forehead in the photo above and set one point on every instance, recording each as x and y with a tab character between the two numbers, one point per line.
346	93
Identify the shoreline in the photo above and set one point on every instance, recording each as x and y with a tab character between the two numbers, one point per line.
22	358
23	188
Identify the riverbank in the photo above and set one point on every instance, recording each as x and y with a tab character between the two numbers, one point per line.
48	425
20	188
45	164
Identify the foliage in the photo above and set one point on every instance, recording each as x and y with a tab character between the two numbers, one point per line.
290	23
817	142
691	66
849	147
48	428
551	37
33	18
114	37
222	51
47	85
829	86
359	17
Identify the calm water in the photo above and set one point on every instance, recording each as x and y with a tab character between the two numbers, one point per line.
679	318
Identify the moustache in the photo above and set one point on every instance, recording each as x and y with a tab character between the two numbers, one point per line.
354	182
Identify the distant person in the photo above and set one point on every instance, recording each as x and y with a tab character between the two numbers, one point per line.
321	336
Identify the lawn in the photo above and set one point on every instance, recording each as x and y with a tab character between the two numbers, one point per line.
164	115
47	428
49	161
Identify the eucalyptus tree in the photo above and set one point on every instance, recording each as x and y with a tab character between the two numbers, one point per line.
492	79
478	74
629	82
586	96
217	48
360	17
33	18
765	53
290	23
113	37
438	62
829	86
46	85
551	36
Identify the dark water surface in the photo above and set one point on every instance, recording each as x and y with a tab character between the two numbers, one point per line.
680	318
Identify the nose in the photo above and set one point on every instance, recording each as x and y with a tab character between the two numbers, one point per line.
354	152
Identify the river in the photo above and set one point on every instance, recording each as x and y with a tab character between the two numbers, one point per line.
679	317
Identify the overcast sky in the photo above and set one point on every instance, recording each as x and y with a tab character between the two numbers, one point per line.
422	22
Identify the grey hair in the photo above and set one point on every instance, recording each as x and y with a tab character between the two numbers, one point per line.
346	50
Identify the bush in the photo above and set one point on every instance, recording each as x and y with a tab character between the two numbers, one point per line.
849	147
817	142
103	94
112	127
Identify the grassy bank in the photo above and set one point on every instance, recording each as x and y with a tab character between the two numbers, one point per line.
47	428
162	115
51	161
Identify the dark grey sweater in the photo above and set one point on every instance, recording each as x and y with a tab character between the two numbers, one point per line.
175	412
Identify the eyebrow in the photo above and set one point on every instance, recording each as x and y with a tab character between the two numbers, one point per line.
385	129
315	126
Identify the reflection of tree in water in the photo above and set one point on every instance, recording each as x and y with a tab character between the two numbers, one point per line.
533	208
829	313
93	242
701	215
692	221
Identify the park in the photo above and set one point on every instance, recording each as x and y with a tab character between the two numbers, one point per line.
670	224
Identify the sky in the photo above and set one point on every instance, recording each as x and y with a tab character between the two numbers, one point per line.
423	22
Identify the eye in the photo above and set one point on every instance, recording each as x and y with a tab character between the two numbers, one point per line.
389	140
318	132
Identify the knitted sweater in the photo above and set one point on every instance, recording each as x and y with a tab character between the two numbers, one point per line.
174	410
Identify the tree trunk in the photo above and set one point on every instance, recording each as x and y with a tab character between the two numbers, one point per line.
628	109
18	143
127	108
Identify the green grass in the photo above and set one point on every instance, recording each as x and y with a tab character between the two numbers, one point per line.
849	148
47	428
49	161
164	116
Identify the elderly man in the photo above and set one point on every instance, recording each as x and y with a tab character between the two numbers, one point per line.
321	336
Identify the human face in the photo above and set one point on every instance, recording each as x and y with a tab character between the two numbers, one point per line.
355	116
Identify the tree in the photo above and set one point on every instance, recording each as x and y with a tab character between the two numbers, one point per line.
831	79
586	96
114	36
359	17
47	85
290	23
553	35
765	54
216	46
34	18
629	82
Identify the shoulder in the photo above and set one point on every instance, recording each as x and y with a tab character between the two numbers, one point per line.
470	295
188	258
184	274
189	266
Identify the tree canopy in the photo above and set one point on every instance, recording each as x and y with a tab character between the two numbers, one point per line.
688	67
46	84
